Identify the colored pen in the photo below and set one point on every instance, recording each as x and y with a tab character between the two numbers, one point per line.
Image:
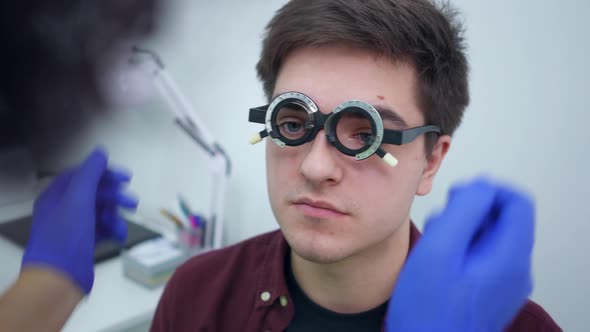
184	208
174	219
195	221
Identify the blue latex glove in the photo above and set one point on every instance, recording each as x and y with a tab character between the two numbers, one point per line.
76	211
471	269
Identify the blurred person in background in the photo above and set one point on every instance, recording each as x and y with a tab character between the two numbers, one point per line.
54	54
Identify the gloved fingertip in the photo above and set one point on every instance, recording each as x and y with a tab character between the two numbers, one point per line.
507	194
127	201
98	157
86	177
117	175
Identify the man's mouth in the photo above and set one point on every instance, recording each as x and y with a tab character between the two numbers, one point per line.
318	208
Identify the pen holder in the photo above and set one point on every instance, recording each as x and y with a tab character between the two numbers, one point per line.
190	239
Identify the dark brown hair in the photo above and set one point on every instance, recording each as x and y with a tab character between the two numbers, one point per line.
52	53
424	33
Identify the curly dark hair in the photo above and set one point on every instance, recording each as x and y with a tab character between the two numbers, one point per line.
52	52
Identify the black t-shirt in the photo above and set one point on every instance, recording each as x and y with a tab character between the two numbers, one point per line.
310	317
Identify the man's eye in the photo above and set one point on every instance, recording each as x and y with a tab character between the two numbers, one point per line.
363	137
291	128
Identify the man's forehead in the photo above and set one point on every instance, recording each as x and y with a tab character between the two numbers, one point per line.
333	75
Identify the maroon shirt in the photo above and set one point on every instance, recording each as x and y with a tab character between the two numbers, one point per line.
243	288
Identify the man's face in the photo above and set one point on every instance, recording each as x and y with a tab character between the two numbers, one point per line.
330	206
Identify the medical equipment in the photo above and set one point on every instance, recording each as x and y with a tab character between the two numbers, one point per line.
355	128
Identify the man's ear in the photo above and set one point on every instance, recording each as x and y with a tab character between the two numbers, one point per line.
443	143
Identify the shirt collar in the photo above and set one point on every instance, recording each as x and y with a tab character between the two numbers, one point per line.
272	284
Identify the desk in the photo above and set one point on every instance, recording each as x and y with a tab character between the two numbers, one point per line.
115	304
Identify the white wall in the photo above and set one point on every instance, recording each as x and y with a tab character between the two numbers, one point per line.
528	123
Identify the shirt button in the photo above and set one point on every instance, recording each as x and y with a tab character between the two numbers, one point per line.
284	301
265	296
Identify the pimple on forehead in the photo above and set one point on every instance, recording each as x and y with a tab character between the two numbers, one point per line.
380	97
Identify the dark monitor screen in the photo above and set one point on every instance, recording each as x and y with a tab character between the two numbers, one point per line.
17	231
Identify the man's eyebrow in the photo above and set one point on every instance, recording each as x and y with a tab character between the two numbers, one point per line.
388	113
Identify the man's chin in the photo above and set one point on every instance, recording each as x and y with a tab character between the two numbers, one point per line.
316	241
317	258
318	253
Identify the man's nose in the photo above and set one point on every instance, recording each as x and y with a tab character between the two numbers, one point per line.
320	164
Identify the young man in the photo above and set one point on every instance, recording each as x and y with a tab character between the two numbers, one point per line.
357	87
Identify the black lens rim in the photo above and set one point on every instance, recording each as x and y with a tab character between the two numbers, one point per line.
276	132
332	125
271	114
376	128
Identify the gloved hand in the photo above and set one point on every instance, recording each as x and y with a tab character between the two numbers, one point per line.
471	269
76	211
